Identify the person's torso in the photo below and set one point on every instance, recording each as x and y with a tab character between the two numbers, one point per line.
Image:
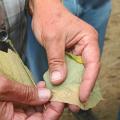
13	20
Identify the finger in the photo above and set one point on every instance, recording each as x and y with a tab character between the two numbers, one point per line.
16	92
35	116
91	58
19	115
41	84
73	108
53	111
78	49
6	111
57	68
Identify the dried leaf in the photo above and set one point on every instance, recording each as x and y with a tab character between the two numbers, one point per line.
12	67
68	92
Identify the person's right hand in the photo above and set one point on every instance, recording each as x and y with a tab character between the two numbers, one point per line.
58	31
13	94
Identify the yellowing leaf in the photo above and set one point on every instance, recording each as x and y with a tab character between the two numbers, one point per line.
12	67
68	92
74	57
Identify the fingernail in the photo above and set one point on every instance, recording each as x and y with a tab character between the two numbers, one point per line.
56	75
44	94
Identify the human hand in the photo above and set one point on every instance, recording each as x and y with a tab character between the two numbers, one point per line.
13	94
59	31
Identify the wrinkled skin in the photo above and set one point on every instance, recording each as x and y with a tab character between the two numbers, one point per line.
12	94
59	30
9	112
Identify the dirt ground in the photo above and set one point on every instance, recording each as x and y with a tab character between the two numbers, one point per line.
110	71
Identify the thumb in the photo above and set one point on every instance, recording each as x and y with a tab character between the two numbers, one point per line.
57	68
17	92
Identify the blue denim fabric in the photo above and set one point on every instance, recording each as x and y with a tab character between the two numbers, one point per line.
95	12
36	58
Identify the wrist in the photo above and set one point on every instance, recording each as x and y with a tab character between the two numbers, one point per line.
41	6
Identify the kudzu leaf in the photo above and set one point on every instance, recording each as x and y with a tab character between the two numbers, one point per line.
68	91
12	67
74	57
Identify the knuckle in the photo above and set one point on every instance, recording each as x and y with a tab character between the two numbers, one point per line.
30	95
51	36
27	97
92	33
95	33
54	62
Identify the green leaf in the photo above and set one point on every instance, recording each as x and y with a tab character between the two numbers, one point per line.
68	92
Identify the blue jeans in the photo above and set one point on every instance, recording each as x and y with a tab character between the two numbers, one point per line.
95	12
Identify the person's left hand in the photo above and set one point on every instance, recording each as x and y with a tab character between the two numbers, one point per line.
50	111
